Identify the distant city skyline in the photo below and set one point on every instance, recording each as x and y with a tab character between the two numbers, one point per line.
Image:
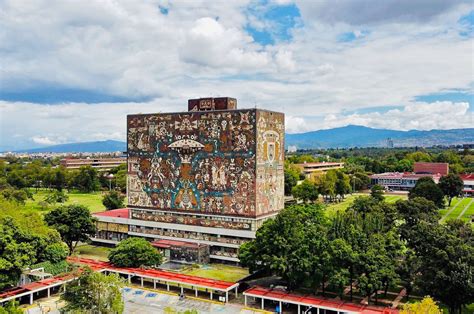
72	72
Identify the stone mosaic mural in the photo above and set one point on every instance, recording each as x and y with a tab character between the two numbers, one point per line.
206	162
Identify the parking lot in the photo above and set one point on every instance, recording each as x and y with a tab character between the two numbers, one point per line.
144	301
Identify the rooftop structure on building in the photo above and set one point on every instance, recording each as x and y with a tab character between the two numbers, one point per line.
468	181
405	181
211	175
98	163
314	169
439	168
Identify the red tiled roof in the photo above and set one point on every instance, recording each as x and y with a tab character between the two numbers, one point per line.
118	213
431	167
158	274
317	302
467	176
34	286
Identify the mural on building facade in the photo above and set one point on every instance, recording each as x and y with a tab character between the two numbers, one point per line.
270	157
199	161
164	217
206	161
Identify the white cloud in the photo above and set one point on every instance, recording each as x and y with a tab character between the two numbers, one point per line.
201	48
363	12
418	115
43	140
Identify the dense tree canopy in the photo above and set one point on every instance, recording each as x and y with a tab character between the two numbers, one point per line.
113	200
24	240
292	176
284	245
73	222
373	244
94	292
426	306
135	252
377	192
451	185
306	191
427	188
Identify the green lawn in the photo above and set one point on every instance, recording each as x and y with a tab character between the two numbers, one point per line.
93	252
219	272
461	208
92	200
332	209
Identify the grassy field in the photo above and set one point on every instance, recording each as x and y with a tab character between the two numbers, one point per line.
332	209
219	272
461	208
92	200
92	251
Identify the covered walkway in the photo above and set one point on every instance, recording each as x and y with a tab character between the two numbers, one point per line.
34	288
308	302
156	276
163	277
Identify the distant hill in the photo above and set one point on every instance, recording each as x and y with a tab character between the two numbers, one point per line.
344	137
361	136
85	147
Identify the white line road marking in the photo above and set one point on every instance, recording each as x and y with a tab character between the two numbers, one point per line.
465	208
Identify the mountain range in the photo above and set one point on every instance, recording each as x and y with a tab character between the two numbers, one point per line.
361	136
343	137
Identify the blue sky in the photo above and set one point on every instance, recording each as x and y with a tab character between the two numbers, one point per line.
72	71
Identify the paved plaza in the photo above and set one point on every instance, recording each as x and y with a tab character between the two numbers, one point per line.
143	301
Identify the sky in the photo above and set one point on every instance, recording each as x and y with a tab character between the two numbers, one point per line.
70	71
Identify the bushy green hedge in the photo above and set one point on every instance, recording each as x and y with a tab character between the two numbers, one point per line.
53	268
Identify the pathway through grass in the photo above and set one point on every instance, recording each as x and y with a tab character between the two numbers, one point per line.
461	208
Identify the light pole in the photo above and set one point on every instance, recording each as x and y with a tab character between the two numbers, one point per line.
110	177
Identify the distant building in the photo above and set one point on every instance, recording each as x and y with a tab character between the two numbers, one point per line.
181	251
312	170
398	180
210	176
440	168
406	181
468	180
292	149
389	142
98	163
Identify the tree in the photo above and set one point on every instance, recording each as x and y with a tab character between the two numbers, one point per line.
94	292
427	188
73	222
451	185
446	270
291	179
327	184
16	252
419	156
135	252
359	181
426	306
343	184
55	252
377	192
306	191
86	179
113	200
19	196
59	178
286	246
56	196
15	178
11	308
408	270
